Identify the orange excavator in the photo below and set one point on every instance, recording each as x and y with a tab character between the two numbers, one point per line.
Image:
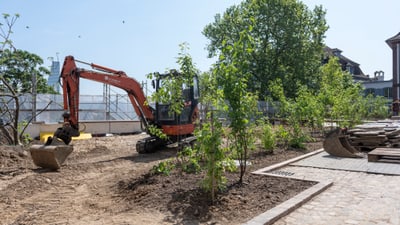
175	127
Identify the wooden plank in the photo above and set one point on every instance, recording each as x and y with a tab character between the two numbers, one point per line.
383	152
388	149
369	133
384	155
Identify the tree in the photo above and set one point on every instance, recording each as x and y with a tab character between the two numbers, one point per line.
233	71
171	91
21	69
286	36
20	73
343	99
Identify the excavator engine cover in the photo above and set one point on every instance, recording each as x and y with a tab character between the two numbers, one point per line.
51	155
337	144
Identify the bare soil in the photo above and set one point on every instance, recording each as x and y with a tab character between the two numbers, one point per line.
104	181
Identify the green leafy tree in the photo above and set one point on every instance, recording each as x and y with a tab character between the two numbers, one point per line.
308	109
215	155
171	91
286	39
378	107
210	136
19	70
232	71
343	100
294	112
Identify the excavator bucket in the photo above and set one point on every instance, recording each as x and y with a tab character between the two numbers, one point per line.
52	155
337	144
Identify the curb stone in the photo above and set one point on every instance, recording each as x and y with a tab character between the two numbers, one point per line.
283	209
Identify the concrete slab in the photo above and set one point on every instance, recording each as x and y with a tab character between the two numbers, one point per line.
326	161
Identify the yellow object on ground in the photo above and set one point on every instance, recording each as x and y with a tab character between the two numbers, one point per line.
82	136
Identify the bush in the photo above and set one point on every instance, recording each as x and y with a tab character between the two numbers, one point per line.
268	139
189	160
282	136
164	167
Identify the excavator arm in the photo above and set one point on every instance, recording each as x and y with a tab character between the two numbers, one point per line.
70	76
56	149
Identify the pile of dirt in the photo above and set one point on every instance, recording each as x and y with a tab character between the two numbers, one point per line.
13	156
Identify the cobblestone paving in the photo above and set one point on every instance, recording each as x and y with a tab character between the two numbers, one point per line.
354	198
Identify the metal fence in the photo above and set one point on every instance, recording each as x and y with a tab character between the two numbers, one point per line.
49	108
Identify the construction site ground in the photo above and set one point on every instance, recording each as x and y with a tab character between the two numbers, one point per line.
104	181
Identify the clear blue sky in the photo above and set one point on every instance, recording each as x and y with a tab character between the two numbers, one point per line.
140	37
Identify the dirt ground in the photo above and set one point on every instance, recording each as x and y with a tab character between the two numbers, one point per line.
104	181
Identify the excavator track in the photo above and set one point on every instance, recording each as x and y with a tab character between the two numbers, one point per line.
149	145
187	142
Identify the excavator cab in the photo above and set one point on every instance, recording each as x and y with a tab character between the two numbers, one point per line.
171	123
178	128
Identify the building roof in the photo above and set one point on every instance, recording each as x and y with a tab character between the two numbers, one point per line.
393	40
345	62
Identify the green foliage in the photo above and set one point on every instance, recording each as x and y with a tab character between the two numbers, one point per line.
6	30
24	137
209	135
268	138
377	107
171	90
18	69
210	143
286	42
211	97
295	113
341	98
282	136
297	136
188	159
163	167
277	93
307	109
155	131
232	74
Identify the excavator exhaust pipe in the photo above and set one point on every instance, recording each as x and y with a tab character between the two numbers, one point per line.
50	155
337	144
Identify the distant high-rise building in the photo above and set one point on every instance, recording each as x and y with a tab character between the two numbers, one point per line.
54	76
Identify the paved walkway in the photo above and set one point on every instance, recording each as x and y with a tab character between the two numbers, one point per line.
354	198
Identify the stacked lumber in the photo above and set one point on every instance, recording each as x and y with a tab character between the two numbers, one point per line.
374	135
394	137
